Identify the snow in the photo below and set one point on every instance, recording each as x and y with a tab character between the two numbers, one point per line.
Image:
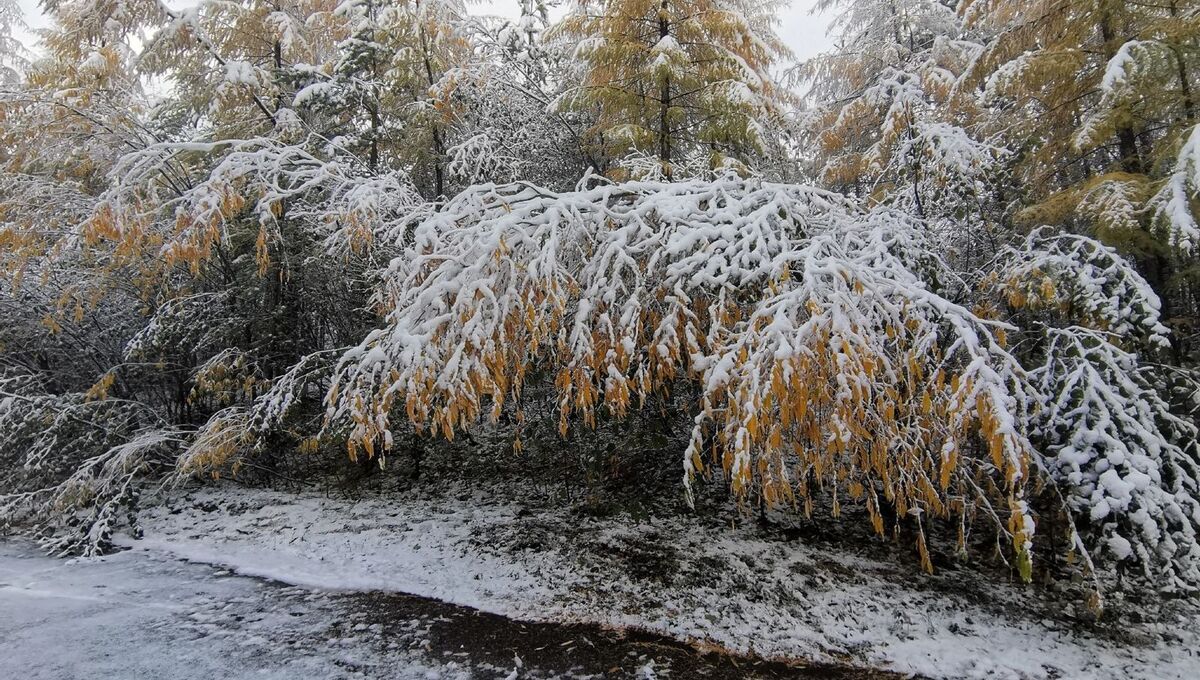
667	45
733	587
669	57
95	62
1116	71
1120	547
143	615
1115	91
1110	293
240	73
1172	204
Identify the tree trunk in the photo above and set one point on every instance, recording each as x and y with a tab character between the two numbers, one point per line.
439	179
664	132
1130	160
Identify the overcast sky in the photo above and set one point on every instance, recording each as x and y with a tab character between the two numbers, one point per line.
802	31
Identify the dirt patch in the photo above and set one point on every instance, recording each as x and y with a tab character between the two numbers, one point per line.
553	650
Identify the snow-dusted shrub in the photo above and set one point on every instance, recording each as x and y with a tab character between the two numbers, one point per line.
1087	283
1127	466
819	335
232	435
72	463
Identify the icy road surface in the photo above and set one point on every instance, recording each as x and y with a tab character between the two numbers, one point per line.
142	614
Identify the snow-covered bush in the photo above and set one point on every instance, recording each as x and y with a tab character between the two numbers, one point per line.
824	346
249	426
1125	463
73	463
1085	282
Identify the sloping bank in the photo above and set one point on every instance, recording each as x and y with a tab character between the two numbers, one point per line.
736	587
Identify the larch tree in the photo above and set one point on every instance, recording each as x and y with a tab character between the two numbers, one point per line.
431	56
889	125
1097	98
349	88
390	85
684	82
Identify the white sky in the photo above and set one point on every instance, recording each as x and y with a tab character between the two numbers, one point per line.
801	30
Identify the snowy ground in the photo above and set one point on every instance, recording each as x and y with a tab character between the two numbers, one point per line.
138	615
145	614
734	586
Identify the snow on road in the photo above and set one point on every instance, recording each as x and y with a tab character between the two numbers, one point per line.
144	614
319	583
671	575
141	615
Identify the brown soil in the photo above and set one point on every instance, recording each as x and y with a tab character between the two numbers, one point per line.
484	640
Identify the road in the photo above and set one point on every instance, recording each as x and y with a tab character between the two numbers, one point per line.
139	614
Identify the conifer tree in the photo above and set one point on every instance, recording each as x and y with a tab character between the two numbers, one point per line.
14	55
349	88
889	125
430	58
676	80
1098	99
